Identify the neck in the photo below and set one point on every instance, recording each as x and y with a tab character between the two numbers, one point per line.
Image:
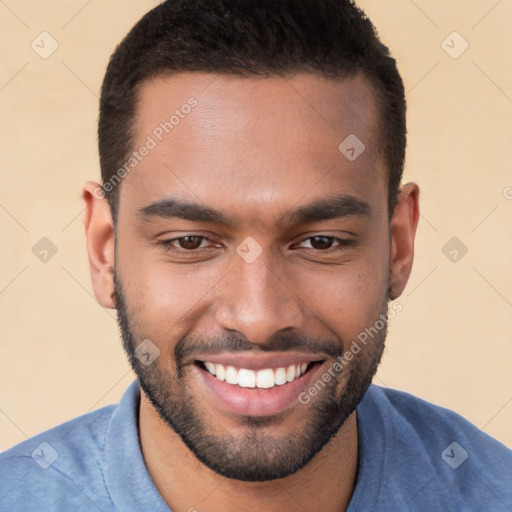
326	483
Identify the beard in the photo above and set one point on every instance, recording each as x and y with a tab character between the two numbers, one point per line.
254	451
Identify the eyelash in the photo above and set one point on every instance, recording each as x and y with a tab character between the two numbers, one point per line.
341	243
168	244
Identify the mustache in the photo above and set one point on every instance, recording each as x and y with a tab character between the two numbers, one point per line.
283	341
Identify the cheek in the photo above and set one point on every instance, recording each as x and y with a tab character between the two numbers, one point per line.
165	299
349	304
350	297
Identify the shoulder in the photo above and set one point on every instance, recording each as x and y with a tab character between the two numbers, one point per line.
456	461
63	461
413	415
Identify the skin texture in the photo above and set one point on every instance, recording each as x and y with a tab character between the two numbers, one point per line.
255	149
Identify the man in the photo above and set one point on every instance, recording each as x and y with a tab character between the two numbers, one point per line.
251	230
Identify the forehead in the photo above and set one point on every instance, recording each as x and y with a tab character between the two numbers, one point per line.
254	143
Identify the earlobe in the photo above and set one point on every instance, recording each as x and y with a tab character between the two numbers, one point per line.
100	237
403	231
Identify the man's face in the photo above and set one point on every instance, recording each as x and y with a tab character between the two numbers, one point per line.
247	243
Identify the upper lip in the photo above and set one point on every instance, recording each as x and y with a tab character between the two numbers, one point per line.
259	362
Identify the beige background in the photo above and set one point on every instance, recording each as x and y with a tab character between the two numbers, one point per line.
60	354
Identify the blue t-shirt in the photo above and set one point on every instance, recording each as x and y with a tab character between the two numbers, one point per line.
413	456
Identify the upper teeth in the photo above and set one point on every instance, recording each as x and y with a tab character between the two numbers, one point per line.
266	378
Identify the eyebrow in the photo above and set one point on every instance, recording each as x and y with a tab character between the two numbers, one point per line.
327	209
323	209
172	208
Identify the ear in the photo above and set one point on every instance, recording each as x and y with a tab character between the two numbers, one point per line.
99	232
403	231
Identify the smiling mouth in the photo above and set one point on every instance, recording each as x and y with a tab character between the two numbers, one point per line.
264	378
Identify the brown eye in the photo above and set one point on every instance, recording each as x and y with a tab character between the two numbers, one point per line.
325	243
321	242
190	242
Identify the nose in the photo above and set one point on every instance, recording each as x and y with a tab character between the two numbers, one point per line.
257	300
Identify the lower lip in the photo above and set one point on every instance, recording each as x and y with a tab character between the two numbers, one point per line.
253	401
